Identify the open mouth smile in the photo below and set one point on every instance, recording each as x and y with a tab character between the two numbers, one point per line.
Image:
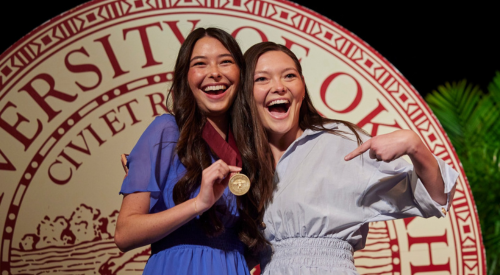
215	89
278	108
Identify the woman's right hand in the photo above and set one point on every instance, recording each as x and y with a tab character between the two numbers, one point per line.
214	181
137	227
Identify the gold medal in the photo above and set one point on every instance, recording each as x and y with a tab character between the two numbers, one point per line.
239	184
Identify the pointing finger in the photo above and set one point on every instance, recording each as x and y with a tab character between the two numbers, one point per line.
358	151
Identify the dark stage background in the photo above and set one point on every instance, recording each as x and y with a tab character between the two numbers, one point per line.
428	44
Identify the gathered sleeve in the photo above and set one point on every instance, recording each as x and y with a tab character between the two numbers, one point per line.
151	159
395	191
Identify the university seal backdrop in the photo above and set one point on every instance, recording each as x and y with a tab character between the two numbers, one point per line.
79	90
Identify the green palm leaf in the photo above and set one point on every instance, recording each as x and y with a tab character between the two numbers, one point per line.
454	105
471	119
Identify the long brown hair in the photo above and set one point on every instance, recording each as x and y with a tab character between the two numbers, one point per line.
195	154
309	118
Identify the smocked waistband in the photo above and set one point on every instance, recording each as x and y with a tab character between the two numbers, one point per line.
326	253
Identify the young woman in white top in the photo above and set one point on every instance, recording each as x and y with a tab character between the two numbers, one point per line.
331	178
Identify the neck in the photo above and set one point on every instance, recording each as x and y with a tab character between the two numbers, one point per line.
220	124
280	143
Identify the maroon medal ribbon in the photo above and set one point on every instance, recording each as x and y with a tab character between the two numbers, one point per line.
238	184
227	151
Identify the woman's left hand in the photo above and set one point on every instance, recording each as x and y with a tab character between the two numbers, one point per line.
388	147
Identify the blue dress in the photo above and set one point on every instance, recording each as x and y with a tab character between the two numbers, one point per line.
155	167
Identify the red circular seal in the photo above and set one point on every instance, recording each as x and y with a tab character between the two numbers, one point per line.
79	90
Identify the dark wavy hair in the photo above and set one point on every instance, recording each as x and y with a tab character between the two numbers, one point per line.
194	153
309	118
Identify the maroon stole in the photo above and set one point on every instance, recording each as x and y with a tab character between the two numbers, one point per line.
227	151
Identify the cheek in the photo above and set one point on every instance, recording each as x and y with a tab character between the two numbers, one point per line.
262	112
232	73
235	75
301	91
260	96
193	78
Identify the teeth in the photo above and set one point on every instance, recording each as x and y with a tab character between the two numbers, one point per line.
278	101
215	88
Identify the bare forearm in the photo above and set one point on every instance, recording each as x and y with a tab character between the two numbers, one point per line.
138	229
427	169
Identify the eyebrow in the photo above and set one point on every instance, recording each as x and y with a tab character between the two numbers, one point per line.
204	57
290	68
284	70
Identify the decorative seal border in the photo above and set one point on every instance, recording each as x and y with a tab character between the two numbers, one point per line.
29	50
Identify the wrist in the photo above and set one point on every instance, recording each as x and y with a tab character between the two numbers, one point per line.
196	207
415	144
199	206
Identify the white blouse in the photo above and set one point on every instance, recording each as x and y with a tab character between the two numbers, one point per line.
322	204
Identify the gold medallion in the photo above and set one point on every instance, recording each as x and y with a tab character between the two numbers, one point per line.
239	184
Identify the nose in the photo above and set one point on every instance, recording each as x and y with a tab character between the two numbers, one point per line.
278	86
215	72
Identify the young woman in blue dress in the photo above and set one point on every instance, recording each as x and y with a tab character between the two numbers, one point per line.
175	194
325	195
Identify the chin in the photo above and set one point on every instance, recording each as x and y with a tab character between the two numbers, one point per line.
217	111
277	130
